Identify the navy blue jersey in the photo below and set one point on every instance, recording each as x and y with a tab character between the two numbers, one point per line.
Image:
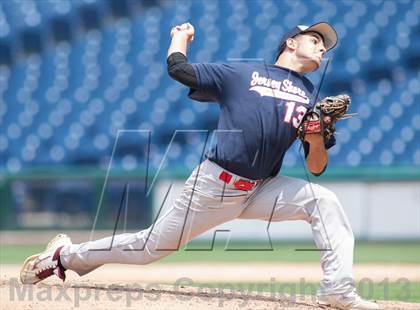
261	107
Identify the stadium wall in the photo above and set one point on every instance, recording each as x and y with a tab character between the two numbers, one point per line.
384	210
380	206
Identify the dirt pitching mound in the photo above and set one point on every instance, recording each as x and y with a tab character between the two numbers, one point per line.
122	287
92	296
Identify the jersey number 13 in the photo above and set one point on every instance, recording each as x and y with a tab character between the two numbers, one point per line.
290	116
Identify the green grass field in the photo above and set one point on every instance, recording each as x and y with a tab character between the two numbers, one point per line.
365	252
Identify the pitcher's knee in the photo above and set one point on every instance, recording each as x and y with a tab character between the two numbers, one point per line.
325	202
326	194
146	256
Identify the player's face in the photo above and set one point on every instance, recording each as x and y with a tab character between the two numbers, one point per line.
310	50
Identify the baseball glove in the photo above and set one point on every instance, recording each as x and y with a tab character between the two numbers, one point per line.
324	115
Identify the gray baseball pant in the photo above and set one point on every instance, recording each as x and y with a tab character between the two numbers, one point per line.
206	201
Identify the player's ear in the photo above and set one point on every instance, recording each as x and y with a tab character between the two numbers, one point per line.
291	43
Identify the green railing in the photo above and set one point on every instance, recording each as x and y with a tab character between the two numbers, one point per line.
372	173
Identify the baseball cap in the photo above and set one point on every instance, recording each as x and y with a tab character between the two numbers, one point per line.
328	33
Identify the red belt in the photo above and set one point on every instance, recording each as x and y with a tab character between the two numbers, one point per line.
242	184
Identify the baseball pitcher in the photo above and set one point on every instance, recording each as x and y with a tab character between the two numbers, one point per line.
272	106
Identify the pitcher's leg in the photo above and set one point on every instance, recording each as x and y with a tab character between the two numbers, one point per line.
136	248
195	211
283	198
334	237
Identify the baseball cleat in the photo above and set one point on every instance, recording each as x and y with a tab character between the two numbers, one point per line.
350	301
42	265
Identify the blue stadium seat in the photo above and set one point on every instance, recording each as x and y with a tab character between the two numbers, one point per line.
66	103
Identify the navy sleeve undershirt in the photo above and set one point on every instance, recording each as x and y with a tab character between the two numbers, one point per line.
180	70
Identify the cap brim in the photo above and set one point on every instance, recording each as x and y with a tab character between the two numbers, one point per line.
328	34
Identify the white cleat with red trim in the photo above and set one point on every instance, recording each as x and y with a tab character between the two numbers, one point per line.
348	301
42	265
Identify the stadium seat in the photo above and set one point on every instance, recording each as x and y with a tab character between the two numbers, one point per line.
66	102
